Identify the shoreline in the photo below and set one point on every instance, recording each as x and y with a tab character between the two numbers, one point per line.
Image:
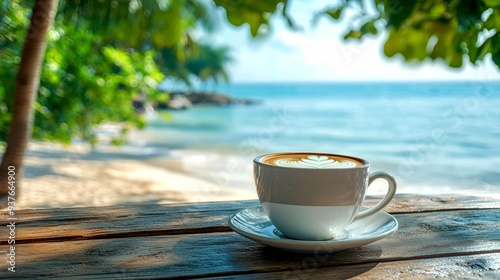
78	176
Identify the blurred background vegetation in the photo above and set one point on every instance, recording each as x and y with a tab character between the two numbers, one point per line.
101	55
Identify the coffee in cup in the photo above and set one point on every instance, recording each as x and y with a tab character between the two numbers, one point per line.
313	161
315	196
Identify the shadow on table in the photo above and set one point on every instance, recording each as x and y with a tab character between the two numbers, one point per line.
252	260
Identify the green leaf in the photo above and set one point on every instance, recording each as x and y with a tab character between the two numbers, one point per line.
235	18
455	60
333	13
353	34
484	49
493	20
492	3
369	27
254	20
496	58
473	55
393	45
398	11
437	10
255	13
468	14
418	41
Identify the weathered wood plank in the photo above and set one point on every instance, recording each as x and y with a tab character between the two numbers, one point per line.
482	266
406	203
105	222
421	235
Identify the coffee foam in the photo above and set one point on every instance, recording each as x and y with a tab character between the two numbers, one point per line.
310	161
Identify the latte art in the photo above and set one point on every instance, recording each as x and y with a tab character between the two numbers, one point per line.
311	161
314	162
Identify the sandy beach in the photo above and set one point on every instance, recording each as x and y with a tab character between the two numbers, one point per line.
77	175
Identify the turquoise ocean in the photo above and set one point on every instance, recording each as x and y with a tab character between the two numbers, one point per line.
432	136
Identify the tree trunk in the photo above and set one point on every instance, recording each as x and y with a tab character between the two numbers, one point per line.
27	82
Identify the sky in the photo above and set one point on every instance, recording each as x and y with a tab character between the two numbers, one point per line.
319	54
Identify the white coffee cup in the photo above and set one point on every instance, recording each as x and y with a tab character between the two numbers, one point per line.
315	196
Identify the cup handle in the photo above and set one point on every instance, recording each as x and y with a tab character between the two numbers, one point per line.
391	191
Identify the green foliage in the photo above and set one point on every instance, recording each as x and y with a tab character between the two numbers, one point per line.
209	63
450	30
138	24
255	13
100	57
195	61
84	84
166	26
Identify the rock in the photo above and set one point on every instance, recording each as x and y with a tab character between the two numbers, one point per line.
139	106
215	99
206	98
178	102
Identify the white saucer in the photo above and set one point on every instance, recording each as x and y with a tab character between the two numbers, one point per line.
254	224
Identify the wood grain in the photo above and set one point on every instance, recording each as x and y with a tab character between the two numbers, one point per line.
482	266
62	224
420	236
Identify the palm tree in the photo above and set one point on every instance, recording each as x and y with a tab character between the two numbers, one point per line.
192	59
139	24
131	23
28	79
210	63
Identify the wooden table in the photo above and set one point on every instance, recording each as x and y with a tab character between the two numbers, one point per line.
438	237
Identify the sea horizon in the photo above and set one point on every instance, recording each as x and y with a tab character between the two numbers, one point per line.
485	80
